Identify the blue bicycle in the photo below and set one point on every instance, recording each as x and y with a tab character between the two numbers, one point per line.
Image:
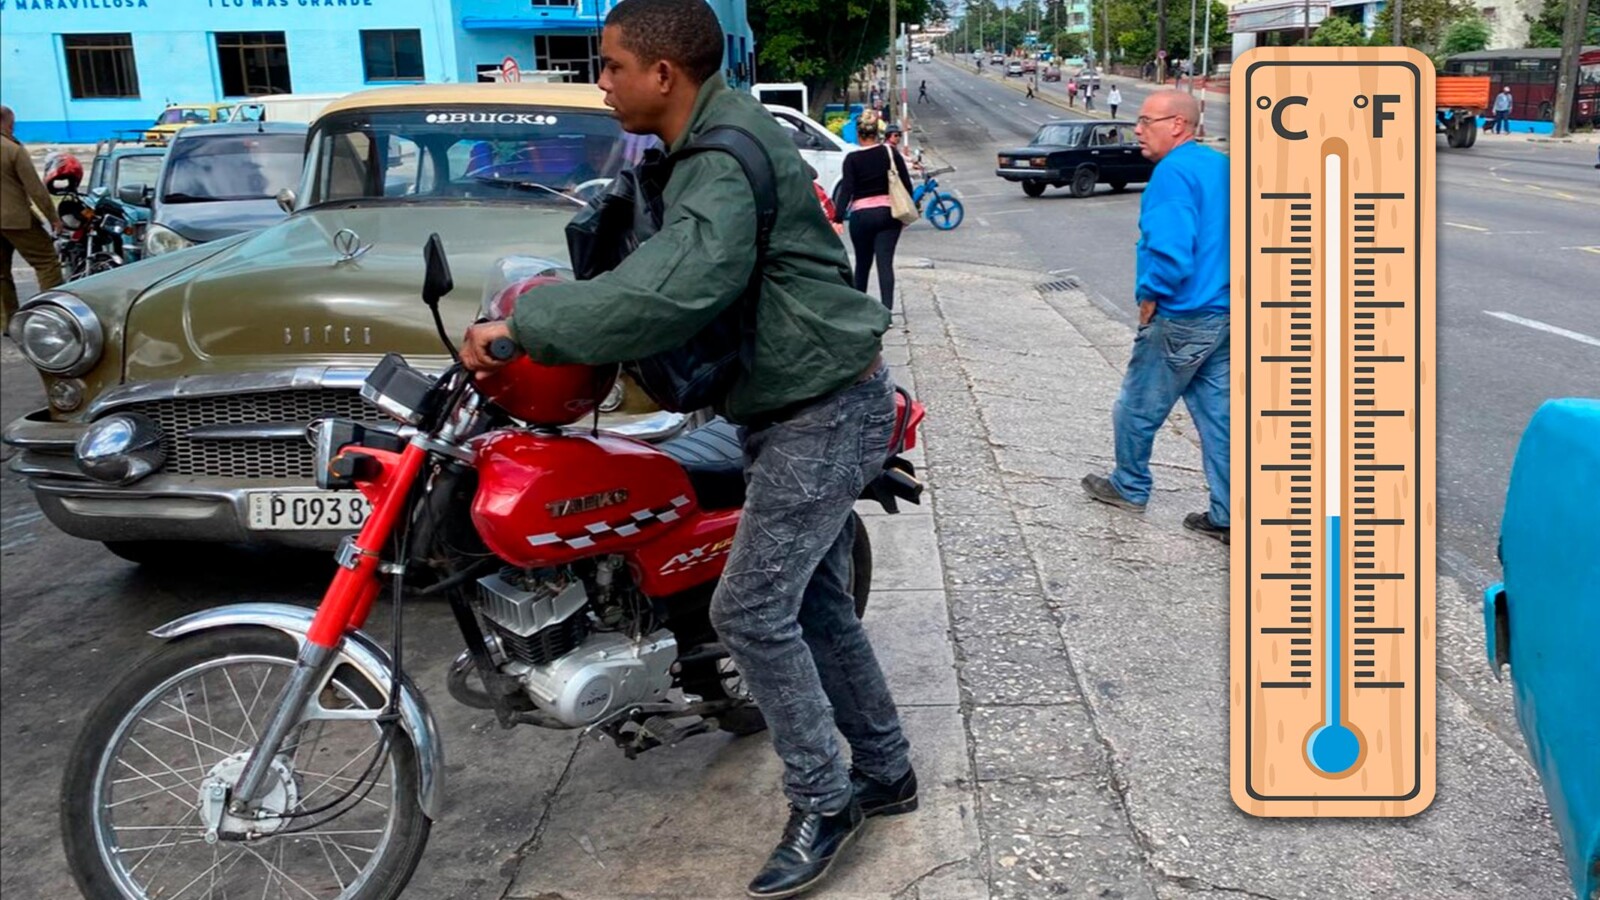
942	208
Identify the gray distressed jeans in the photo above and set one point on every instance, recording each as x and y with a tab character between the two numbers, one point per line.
784	608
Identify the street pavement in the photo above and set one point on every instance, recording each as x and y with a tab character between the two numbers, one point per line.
1062	666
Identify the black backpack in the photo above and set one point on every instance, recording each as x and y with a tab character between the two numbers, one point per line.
699	373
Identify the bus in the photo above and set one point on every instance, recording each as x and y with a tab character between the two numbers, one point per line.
1531	75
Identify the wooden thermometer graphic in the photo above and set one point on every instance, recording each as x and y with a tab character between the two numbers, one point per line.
1332	633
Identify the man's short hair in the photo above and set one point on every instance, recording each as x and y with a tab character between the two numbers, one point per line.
686	33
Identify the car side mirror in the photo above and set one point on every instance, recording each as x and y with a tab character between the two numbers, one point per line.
286	200
803	140
135	194
436	280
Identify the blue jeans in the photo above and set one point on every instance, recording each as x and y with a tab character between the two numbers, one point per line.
784	608
1175	357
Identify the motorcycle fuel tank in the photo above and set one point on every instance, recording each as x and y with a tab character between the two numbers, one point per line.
551	499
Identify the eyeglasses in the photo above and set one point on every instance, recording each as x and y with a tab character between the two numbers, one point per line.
1146	121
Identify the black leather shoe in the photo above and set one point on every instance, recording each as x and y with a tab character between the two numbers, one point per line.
810	845
1201	522
880	798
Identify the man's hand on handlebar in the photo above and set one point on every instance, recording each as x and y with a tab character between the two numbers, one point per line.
488	346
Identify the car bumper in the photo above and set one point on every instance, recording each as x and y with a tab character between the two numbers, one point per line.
173	507
1011	174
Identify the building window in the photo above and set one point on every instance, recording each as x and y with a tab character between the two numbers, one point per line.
392	55
100	66
1490	14
578	54
253	63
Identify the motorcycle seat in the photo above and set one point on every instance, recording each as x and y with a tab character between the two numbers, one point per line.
713	458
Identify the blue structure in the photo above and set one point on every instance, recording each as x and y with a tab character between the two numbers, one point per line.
75	70
1545	619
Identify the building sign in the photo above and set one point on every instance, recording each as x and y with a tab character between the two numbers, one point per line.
509	70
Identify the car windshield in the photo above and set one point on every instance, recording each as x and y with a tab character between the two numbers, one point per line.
481	153
184	115
232	167
140	169
1059	135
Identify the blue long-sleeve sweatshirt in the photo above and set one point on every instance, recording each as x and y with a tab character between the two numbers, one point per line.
1183	252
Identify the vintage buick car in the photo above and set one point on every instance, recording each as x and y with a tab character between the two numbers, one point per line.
1079	155
180	388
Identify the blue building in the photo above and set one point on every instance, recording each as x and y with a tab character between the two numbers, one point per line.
75	70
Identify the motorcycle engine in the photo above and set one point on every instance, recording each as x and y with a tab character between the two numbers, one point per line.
544	626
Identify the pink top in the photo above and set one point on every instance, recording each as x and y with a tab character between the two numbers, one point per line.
878	202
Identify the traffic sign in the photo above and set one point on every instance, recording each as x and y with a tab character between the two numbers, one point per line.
1161	54
509	70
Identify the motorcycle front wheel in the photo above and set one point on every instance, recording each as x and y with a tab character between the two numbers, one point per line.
184	720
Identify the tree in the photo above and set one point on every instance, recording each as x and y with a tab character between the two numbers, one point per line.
824	42
1133	31
1426	22
1337	31
1465	36
1544	29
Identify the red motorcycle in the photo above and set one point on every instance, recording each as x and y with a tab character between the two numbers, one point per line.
270	749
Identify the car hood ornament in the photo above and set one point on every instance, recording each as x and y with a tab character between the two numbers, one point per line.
349	246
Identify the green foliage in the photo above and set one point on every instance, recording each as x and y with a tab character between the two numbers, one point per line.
1426	22
1133	28
824	42
1465	36
1337	31
1544	29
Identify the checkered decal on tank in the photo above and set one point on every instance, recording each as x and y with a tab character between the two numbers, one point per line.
635	523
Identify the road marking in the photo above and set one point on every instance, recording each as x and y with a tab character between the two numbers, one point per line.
982	221
1054	116
1588	249
1468	227
1545	327
21	520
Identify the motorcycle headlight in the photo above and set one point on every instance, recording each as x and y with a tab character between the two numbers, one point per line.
59	334
159	239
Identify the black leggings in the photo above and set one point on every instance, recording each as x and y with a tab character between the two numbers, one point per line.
874	233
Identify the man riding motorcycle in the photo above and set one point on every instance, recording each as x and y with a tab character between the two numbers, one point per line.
812	391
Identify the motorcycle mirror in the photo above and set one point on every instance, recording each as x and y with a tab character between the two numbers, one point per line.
436	280
134	194
286	200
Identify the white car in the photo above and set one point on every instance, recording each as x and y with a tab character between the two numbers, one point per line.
823	149
1013	68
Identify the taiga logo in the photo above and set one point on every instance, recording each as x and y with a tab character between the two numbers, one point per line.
489	118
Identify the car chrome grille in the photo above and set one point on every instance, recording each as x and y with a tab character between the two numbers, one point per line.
248	458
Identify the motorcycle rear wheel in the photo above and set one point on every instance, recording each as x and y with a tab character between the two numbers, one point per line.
748	720
108	758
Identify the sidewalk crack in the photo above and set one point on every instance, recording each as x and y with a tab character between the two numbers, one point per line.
907	892
513	867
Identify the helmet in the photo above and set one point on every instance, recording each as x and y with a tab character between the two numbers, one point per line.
540	395
63	173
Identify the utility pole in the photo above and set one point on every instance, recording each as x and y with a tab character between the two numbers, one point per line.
1105	36
1161	42
1190	62
1567	78
1205	54
1005	20
1397	16
1307	38
891	102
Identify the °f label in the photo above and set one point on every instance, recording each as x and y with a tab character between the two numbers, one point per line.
1332	633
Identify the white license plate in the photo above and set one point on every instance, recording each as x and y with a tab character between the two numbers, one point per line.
306	510
1021	164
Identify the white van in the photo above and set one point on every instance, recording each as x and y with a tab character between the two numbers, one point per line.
818	146
301	108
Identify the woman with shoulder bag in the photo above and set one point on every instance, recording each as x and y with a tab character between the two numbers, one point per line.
868	196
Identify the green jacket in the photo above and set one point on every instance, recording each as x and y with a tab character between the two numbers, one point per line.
814	332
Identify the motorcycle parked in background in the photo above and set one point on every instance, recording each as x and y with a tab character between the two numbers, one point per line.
273	750
91	237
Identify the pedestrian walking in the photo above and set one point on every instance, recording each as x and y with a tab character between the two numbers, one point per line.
23	203
1072	92
816	400
1502	111
1088	95
1182	347
922	91
1030	90
864	197
1114	100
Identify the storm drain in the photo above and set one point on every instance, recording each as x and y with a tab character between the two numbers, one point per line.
1064	284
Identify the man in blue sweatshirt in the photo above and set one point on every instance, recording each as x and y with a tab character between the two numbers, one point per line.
1182	288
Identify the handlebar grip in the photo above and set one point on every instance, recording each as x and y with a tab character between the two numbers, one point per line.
502	349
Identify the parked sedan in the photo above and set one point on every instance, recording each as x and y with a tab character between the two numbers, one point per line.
223	180
1077	154
180	389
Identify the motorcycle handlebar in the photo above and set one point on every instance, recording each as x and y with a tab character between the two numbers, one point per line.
503	349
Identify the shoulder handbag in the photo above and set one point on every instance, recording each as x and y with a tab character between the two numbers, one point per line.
699	373
900	204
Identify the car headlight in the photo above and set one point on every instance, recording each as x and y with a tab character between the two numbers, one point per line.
159	239
59	334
